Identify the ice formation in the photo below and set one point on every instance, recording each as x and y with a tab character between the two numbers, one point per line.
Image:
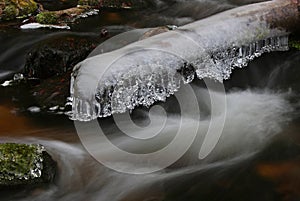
38	25
150	70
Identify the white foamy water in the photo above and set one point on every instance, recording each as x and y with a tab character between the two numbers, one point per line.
252	119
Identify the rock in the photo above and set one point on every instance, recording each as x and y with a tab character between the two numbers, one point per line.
25	166
11	9
154	31
52	5
62	16
51	61
117	4
47	18
2	6
53	91
34	109
58	55
294	42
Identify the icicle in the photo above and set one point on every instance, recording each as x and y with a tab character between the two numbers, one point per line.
145	84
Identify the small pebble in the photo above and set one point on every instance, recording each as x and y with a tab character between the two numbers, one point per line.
54	108
34	109
6	83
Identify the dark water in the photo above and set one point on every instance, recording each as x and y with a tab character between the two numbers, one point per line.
257	157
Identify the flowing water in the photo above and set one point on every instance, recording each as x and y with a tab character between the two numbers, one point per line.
256	158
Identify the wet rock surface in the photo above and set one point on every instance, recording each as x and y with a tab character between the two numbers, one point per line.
58	55
52	5
51	94
49	64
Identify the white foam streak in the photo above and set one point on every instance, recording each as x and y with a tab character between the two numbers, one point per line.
252	119
38	26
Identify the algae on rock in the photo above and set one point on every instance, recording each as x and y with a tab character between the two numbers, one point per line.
47	18
25	165
61	16
295	44
20	161
11	9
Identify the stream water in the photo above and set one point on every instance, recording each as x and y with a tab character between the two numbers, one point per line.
256	158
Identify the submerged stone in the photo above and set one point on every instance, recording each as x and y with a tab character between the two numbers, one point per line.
25	166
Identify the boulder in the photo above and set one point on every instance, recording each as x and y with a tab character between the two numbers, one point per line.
25	166
58	55
49	64
51	94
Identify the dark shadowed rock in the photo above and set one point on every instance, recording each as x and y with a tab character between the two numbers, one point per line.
57	4
53	60
58	55
49	64
53	91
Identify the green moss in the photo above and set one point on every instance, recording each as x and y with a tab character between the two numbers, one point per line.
27	7
17	8
82	2
294	44
10	12
20	161
47	18
88	2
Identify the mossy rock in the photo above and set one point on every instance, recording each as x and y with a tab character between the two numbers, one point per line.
11	9
294	41
25	166
27	7
10	12
47	18
295	44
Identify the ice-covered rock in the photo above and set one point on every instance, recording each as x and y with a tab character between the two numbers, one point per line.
150	70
